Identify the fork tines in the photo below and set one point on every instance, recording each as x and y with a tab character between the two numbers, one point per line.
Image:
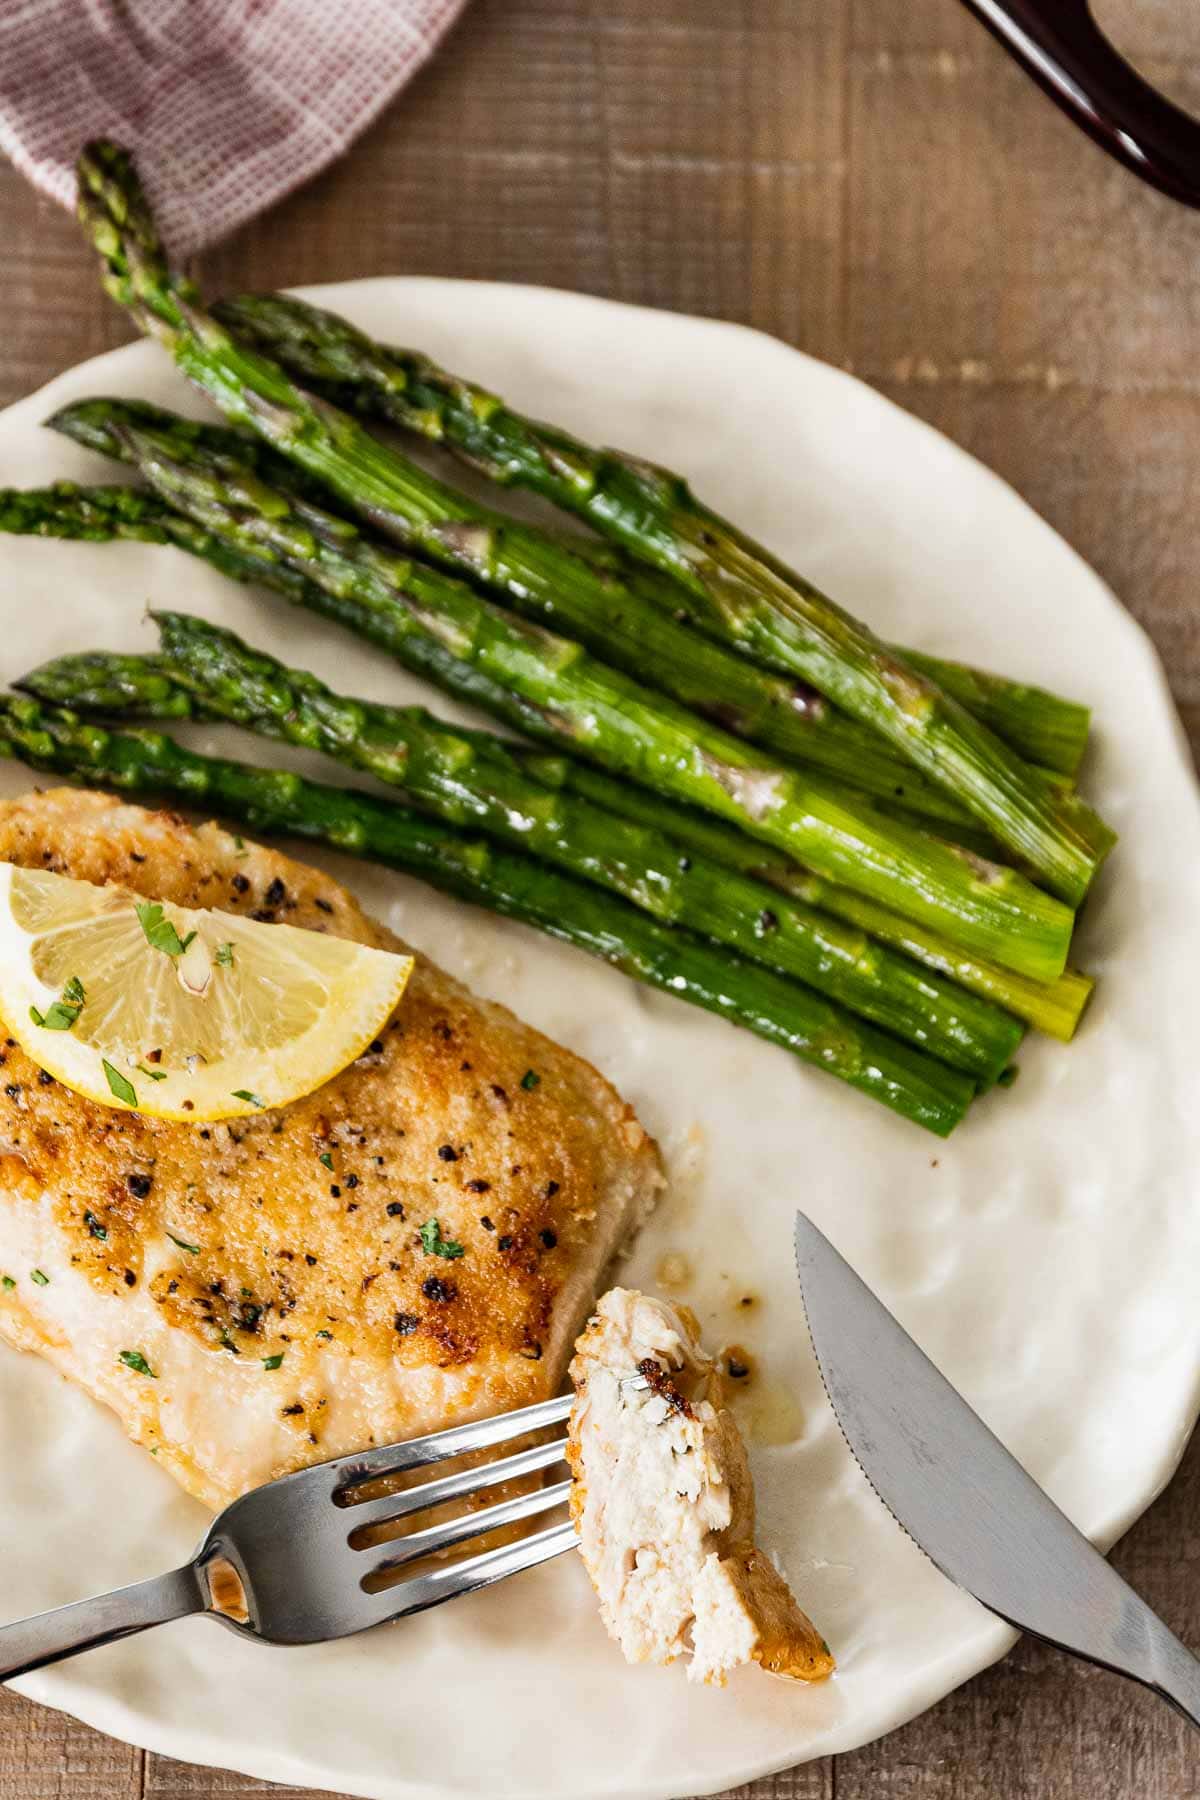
368	1518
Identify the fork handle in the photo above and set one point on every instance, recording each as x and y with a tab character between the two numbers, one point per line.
50	1636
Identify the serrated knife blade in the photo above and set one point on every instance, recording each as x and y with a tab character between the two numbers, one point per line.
960	1495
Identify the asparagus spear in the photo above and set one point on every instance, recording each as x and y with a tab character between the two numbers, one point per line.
407	389
1042	727
101	514
617	624
736	591
67	510
476	780
1055	1008
125	687
1047	730
270	800
611	719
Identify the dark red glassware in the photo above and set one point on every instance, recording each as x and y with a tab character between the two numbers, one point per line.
1060	44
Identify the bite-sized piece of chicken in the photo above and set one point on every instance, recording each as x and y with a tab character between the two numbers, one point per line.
664	1503
412	1245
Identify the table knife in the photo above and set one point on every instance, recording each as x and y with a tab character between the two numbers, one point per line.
969	1505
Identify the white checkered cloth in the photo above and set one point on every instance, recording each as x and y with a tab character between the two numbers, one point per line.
227	104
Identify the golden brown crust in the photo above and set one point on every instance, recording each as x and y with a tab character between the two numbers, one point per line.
789	1644
276	1251
674	1560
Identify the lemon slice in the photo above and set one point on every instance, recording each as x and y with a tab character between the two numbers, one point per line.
181	1014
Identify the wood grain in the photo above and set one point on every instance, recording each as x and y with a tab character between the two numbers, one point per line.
874	182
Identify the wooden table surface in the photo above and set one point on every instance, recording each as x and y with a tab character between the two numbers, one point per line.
873	181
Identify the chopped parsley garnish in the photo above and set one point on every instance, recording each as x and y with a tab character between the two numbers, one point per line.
62	1015
7	1283
326	1159
160	933
273	1362
118	1086
530	1080
325	1334
248	1097
152	1074
224	956
133	1359
37	1276
434	1244
191	1249
95	1227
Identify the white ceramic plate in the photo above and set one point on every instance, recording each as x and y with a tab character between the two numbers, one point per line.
1046	1257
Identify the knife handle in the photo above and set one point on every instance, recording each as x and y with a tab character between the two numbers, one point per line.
1177	1671
1059	43
1101	1620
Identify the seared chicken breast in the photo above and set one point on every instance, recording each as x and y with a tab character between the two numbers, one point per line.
253	1296
664	1503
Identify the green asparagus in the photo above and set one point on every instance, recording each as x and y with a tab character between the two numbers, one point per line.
105	514
752	703
67	510
781	1011
1055	1008
404	388
101	514
603	714
736	592
476	780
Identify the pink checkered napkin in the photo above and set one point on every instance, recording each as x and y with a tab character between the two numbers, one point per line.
227	104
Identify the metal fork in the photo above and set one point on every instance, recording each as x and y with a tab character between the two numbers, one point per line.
286	1564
